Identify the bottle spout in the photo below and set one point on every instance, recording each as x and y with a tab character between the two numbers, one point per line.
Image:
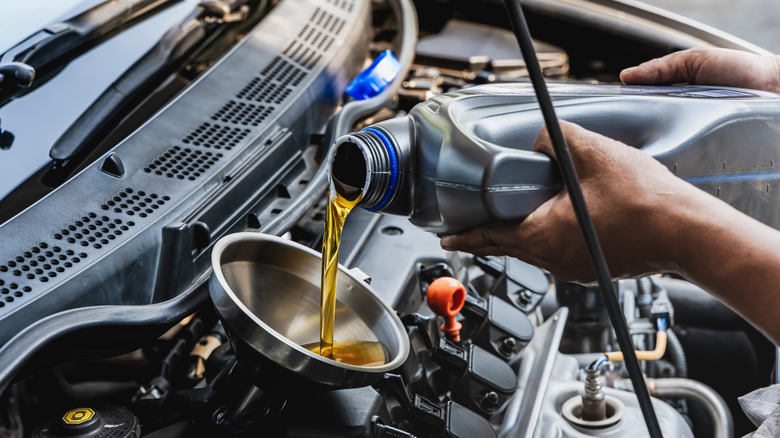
364	167
348	171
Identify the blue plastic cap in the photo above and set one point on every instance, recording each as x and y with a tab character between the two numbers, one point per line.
374	79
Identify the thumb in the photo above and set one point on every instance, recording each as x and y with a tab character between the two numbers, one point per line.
543	143
569	130
675	68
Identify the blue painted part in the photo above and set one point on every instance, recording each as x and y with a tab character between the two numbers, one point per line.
375	78
393	168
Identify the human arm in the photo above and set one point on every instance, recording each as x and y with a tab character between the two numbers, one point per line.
708	66
647	220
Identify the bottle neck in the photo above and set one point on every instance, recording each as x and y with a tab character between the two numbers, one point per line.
364	166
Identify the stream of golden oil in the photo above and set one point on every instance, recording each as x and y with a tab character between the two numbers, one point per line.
337	210
355	352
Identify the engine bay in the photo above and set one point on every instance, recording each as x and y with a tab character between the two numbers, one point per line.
113	286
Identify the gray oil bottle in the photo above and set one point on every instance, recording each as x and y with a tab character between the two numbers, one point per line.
464	159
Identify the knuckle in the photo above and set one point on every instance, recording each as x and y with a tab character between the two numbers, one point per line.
487	237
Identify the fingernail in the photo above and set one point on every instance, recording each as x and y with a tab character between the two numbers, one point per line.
628	70
446	242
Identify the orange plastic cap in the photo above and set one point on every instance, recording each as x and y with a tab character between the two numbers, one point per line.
446	297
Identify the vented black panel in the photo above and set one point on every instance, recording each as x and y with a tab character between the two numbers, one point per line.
345	5
240	113
264	91
44	262
93	231
134	203
277	80
228	145
304	56
325	21
216	136
11	291
181	163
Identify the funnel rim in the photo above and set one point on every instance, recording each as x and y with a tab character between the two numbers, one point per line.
225	242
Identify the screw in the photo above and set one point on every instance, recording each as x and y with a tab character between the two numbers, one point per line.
508	346
489	401
220	415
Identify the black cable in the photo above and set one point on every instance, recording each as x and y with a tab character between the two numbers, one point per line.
15	353
571	181
677	354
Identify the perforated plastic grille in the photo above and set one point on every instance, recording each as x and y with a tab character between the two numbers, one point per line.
345	5
93	231
216	136
327	21
11	291
264	91
256	101
45	261
312	39
304	56
18	275
241	113
278	79
181	163
283	71
133	203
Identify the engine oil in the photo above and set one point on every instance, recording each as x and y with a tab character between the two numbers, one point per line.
353	352
465	158
358	353
336	213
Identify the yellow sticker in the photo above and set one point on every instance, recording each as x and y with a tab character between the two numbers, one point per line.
78	416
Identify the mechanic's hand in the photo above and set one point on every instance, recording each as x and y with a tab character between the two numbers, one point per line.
627	193
708	66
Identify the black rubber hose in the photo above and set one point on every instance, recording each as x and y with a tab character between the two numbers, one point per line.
676	354
406	17
32	339
571	181
36	336
650	366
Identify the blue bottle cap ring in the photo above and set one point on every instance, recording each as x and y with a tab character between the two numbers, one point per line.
393	168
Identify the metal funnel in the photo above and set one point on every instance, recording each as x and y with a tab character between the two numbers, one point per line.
266	291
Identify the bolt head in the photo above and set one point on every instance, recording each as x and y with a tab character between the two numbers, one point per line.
489	401
509	346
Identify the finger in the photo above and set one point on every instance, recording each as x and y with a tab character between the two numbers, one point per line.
536	222
487	252
471	240
578	139
463	242
543	142
507	237
675	68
